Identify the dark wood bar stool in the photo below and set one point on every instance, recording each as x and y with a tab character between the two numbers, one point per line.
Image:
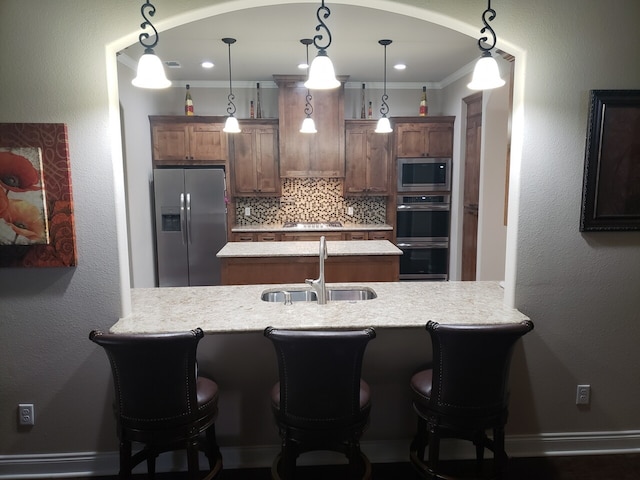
161	402
464	394
320	402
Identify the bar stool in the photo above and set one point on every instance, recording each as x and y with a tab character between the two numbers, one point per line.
465	393
161	402
320	402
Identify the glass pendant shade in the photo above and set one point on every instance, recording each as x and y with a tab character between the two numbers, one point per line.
383	125
308	126
231	125
322	76
150	72
486	74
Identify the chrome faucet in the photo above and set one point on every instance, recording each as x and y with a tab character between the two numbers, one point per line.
318	285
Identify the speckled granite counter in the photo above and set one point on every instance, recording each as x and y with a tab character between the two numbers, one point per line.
240	309
279	227
308	249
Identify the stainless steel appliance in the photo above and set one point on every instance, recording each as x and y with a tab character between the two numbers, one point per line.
190	225
423	223
424	175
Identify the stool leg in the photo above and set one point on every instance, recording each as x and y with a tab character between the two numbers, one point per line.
125	459
192	459
434	450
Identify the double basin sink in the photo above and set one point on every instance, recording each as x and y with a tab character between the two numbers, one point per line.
345	294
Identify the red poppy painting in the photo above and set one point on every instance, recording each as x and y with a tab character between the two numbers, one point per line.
23	210
37	227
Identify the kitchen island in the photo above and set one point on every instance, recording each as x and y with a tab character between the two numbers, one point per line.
239	308
244	263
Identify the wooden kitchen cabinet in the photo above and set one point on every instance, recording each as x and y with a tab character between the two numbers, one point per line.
310	155
188	140
310	236
255	237
369	235
278	270
424	137
254	159
367	159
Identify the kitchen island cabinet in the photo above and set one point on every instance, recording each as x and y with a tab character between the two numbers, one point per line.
246	263
238	308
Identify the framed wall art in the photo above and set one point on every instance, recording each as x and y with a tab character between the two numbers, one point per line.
611	186
36	205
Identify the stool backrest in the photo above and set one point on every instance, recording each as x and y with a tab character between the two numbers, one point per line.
319	375
154	376
471	367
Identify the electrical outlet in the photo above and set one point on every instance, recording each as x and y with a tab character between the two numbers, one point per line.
350	211
247	211
26	414
583	394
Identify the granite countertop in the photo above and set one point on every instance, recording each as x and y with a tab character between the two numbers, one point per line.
238	308
279	227
308	249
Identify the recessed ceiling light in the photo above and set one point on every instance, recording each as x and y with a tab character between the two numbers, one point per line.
400	66
207	64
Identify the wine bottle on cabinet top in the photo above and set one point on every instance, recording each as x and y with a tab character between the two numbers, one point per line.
362	111
258	109
251	111
188	102
423	103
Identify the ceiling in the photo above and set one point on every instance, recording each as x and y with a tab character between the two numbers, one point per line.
268	42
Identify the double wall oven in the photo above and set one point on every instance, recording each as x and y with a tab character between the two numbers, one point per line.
423	216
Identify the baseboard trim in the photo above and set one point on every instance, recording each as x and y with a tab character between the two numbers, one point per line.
64	465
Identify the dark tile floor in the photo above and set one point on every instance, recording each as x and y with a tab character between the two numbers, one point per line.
596	467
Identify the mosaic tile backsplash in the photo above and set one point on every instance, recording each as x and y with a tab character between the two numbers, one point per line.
311	200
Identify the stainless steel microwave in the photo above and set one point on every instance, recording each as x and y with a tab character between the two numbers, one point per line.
424	174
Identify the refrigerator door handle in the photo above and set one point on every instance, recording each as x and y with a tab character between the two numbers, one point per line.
183	220
189	218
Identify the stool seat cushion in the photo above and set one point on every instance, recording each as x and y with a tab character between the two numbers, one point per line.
421	384
207	391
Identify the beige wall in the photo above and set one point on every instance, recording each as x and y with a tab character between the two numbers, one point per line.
580	289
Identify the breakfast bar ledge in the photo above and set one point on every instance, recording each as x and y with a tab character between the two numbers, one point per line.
239	308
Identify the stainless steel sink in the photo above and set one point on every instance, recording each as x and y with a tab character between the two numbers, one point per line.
350	294
344	294
288	296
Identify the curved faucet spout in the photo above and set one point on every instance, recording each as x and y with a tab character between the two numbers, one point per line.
318	285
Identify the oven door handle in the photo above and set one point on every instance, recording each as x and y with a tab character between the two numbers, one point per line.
414	245
423	207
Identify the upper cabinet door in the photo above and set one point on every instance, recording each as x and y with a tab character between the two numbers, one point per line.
176	140
208	142
367	159
426	138
254	159
318	154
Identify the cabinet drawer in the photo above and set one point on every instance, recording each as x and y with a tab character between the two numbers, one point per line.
243	237
268	237
381	235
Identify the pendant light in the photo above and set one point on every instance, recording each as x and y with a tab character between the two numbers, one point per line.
308	125
486	74
322	76
383	125
231	125
150	72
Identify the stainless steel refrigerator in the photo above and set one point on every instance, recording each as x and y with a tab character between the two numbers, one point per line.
190	225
